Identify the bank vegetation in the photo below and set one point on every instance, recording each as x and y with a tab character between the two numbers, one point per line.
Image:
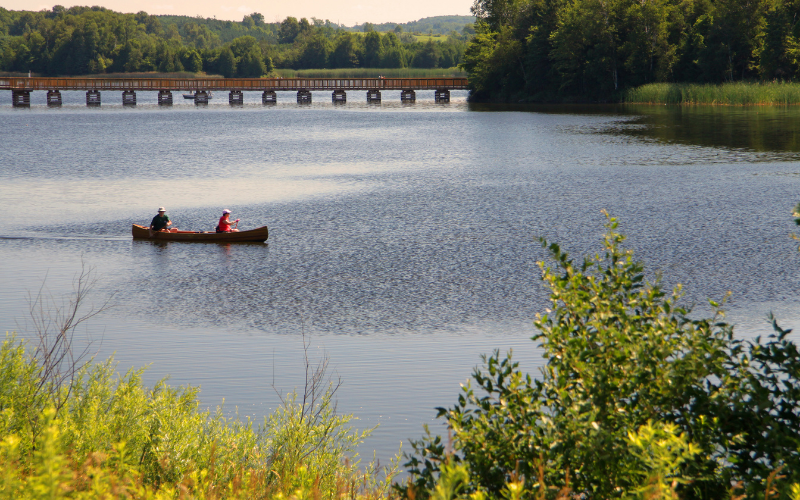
596	50
726	94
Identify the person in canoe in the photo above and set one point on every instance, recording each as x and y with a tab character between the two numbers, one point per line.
161	222
225	223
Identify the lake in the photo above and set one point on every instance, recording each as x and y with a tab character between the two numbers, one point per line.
403	238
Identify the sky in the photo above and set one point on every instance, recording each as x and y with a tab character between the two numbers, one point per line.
348	12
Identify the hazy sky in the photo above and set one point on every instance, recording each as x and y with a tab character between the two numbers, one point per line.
347	12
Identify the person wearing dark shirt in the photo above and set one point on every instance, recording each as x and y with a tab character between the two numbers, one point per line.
161	221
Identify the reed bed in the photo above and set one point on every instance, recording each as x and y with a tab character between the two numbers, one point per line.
372	73
86	432
726	94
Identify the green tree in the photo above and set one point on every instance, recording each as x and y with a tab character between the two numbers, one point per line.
305	27
478	61
251	64
192	61
373	50
289	30
346	52
428	56
316	52
226	63
779	51
733	39
258	19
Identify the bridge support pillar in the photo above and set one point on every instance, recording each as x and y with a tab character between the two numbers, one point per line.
201	97
304	96
53	98
236	97
339	95
21	98
269	97
92	97
129	98
408	96
164	98
373	95
441	95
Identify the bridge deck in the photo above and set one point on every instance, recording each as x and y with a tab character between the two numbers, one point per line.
193	84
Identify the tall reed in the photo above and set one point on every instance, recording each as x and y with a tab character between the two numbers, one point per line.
115	438
726	94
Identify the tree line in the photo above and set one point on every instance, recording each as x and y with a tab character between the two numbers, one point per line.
95	40
441	25
595	49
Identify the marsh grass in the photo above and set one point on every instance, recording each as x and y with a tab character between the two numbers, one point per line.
75	428
115	437
435	38
372	73
726	94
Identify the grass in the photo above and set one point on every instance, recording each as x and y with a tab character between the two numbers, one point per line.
372	73
726	94
101	435
435	38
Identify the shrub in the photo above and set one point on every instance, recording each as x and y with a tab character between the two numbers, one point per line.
112	437
636	395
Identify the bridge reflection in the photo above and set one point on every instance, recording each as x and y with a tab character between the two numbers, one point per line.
199	88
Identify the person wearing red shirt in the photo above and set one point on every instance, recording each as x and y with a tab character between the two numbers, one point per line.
225	223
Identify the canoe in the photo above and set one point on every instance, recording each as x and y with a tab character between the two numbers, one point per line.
258	234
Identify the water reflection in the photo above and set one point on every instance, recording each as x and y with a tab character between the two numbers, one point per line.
763	129
754	128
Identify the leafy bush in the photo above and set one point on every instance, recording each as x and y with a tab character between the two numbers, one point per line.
113	437
638	397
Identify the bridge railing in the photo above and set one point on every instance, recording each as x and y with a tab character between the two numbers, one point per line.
193	84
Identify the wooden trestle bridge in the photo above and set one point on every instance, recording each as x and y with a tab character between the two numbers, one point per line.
199	88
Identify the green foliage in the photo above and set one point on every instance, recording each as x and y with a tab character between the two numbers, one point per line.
638	396
373	50
226	63
81	41
289	30
597	50
316	53
116	438
659	454
440	25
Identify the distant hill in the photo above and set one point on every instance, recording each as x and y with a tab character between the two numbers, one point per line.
225	30
441	25
228	30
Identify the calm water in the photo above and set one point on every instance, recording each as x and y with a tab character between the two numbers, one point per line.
403	238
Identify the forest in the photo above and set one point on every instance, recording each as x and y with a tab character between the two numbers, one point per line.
95	40
594	50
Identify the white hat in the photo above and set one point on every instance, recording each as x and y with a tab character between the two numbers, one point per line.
226	211
162	209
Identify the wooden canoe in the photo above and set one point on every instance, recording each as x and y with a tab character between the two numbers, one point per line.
258	234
